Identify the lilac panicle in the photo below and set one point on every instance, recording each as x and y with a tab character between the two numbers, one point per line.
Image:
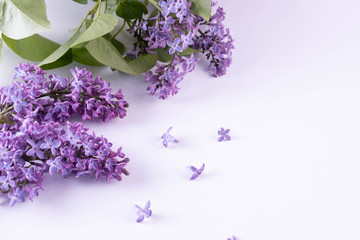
36	137
175	29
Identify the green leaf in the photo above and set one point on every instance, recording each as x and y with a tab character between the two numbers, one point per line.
83	56
81	1
153	2
143	63
118	45
33	48
1	49
106	53
163	54
201	8
111	6
188	51
131	9
63	61
23	18
103	24
61	50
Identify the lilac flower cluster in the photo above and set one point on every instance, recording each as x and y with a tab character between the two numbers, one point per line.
35	137
216	42
180	33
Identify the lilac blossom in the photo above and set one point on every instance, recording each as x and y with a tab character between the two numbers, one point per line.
143	212
16	196
174	46
168	138
37	138
224	135
174	30
196	172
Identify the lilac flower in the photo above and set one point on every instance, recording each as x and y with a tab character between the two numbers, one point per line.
18	102
168	138
142	213
55	165
233	238
16	196
196	172
35	149
187	40
35	137
52	144
7	182
174	46
224	135
34	192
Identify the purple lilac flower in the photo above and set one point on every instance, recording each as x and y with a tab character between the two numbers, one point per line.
36	138
224	135
52	144
143	212
17	196
196	172
166	137
55	165
217	42
174	46
175	28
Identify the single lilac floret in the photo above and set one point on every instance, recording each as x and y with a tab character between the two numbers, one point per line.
174	46
55	165
168	138
16	196
52	144
196	172
224	135
143	212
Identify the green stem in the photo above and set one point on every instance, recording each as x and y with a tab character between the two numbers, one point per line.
98	10
105	6
7	110
91	12
118	31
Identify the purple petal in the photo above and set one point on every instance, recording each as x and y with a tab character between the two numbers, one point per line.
56	143
194	176
171	139
179	49
220	139
194	169
12	202
202	168
165	143
169	43
227	138
140	218
227	131
168	131
44	146
40	154
31	152
148	213
171	51
147	206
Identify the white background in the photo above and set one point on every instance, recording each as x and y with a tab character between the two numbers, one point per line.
291	171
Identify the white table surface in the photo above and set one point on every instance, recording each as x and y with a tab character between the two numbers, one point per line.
291	171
